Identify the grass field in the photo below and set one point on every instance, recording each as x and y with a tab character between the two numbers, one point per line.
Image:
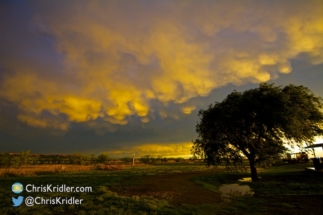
178	188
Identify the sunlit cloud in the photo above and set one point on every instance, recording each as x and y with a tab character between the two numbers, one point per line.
155	150
116	58
188	109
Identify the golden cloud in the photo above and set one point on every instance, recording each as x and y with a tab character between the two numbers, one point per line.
188	109
115	64
155	149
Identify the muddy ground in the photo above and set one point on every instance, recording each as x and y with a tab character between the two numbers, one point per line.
179	189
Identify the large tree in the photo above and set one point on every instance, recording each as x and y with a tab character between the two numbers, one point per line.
257	123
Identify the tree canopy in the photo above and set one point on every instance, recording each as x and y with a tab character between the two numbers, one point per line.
257	123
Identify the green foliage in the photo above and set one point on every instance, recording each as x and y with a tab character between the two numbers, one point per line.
147	159
54	159
5	160
78	158
126	159
24	157
20	159
15	160
90	159
254	124
103	158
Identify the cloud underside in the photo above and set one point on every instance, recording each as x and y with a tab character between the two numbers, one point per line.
132	59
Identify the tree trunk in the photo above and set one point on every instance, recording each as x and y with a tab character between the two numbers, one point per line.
253	170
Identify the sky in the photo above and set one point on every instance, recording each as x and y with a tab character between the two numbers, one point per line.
127	77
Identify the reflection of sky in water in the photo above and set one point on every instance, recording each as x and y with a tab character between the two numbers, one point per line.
228	190
247	179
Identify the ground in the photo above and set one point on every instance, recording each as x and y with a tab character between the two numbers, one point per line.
182	189
171	189
176	188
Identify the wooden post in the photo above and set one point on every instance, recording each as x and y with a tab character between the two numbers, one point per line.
133	160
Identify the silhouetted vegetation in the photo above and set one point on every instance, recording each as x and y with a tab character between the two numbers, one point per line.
16	160
147	159
254	123
126	159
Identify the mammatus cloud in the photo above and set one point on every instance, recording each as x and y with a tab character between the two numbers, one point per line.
132	59
188	109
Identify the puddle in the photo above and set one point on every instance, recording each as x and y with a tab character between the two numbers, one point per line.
248	179
230	190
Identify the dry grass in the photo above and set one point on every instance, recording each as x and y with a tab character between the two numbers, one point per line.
30	170
111	167
56	168
38	169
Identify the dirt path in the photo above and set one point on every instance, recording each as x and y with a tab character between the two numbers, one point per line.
176	188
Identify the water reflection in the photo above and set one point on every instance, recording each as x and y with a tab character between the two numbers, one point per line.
248	179
231	190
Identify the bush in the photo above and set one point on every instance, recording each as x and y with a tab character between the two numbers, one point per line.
5	160
103	158
179	159
147	159
78	158
90	159
126	159
16	160
164	160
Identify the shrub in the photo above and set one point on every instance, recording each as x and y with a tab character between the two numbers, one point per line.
179	159
103	158
78	158
164	160
5	160
147	159
126	159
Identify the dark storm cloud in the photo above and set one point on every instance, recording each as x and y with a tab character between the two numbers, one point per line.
96	75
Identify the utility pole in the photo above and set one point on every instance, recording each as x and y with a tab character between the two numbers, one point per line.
133	160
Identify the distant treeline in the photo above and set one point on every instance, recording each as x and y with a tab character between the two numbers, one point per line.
147	159
16	160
